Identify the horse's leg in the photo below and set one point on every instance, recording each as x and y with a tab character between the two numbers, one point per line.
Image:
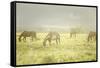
32	38
24	39
44	42
49	42
19	39
70	35
88	39
75	35
94	38
57	41
91	38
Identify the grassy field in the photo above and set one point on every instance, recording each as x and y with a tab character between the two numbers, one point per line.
69	50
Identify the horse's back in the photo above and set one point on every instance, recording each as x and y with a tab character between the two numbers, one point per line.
92	34
54	35
28	34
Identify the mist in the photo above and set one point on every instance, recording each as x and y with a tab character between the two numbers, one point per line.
39	17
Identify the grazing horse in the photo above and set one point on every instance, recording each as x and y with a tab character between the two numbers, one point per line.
25	34
72	34
50	37
91	36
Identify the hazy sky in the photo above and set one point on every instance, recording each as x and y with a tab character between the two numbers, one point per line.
46	17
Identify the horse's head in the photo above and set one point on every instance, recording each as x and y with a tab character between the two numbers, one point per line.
19	39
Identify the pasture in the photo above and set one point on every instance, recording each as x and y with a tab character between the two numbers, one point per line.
73	49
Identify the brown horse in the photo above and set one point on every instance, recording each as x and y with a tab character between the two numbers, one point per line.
25	34
50	37
72	34
91	36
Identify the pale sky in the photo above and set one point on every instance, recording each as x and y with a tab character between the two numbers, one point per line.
53	17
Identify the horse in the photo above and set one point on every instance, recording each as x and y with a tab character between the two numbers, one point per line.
91	36
73	34
25	34
50	37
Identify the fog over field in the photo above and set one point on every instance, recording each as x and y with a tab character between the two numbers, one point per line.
38	17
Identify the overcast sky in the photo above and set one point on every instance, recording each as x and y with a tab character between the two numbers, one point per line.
39	16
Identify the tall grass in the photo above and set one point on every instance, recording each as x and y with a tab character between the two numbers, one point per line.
69	50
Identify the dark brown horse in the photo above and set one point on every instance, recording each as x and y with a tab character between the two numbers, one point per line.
25	34
50	37
91	36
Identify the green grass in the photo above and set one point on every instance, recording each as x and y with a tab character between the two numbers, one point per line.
69	50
